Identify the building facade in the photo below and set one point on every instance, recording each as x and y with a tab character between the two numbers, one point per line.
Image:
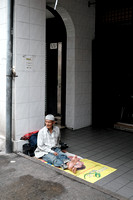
30	66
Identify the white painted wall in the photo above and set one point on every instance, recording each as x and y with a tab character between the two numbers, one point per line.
79	20
84	21
29	64
3	42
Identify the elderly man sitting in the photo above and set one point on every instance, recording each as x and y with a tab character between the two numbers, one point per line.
48	147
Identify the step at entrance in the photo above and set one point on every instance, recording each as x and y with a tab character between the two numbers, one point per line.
58	122
124	126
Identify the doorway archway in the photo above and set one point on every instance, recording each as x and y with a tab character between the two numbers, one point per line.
70	66
55	66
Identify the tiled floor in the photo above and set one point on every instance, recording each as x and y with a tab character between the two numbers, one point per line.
107	146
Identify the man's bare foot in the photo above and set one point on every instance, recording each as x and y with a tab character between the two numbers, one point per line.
74	169
72	163
75	158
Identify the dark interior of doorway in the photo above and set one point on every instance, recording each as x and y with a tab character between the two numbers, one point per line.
112	75
55	34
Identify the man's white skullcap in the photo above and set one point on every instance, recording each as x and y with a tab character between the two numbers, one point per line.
50	117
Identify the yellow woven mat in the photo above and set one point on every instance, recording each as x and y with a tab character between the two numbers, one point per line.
92	172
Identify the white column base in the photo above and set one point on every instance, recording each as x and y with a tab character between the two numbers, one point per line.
2	143
18	145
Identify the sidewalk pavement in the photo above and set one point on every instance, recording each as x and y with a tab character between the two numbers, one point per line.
26	178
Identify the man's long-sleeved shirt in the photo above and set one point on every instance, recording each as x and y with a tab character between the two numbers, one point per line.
46	141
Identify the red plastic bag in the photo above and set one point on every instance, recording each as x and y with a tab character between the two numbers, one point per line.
28	135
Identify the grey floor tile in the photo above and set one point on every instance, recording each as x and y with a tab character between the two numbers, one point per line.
125	158
111	198
120	153
124	168
126	192
103	161
123	181
128	149
91	153
130	184
129	163
94	158
118	173
130	155
128	175
82	145
83	150
116	163
131	171
85	155
113	186
107	179
109	158
109	147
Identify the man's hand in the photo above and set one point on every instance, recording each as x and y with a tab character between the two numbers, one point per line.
55	153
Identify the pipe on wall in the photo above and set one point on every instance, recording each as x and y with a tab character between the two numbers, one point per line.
8	145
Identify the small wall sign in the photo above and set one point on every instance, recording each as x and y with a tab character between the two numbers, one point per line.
28	62
53	45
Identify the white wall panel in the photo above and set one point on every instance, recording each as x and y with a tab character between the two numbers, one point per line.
29	63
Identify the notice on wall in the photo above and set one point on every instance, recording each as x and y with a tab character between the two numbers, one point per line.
28	63
53	45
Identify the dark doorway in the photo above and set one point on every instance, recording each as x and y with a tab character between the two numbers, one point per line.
112	64
55	67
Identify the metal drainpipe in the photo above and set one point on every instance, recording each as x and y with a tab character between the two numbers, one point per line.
9	76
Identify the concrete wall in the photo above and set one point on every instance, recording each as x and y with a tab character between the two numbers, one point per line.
3	42
79	20
29	64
